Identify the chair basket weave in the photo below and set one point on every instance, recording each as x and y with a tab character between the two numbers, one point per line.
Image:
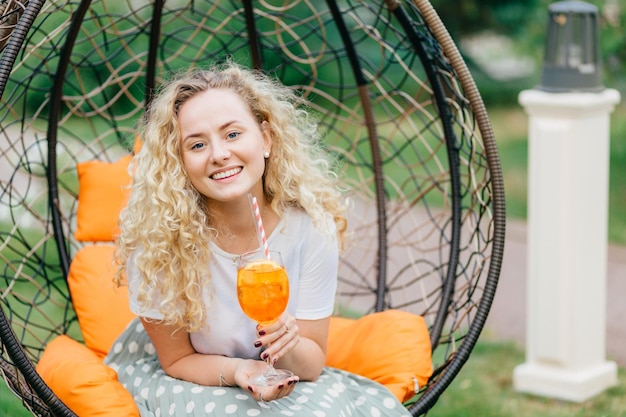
397	104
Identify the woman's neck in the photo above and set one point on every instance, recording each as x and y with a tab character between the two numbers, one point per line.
235	226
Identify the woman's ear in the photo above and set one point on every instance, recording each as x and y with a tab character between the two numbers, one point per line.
266	131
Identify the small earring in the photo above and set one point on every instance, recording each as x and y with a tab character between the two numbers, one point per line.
266	154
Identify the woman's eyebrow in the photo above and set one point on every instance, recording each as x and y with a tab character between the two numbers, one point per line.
223	126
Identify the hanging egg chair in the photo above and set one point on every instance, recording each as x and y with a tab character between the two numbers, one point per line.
397	106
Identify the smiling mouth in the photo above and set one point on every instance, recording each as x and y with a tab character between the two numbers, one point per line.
226	174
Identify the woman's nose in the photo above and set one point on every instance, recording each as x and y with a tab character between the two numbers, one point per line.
219	152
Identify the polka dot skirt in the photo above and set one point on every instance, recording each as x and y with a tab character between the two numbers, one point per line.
336	393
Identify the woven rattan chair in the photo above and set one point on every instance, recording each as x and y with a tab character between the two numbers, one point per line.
399	109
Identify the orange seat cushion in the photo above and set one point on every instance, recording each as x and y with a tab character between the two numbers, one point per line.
102	308
391	347
82	381
103	190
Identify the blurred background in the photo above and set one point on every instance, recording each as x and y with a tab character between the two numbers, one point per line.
502	42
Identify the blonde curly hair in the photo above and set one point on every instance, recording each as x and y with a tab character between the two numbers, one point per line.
169	220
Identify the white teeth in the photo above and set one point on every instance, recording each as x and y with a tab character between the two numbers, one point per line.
226	174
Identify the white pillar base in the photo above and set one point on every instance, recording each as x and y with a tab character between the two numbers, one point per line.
568	156
564	384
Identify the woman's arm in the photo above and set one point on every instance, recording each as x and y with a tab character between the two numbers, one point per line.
178	357
179	360
297	345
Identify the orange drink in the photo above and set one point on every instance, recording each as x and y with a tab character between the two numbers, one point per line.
263	293
262	290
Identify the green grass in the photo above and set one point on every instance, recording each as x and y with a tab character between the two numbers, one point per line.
484	388
10	405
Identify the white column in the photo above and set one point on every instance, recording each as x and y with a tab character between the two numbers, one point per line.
568	178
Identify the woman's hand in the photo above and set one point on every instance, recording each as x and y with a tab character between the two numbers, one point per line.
296	345
278	338
247	369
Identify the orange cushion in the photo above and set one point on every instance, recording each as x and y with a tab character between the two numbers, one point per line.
102	308
137	145
82	381
391	347
102	193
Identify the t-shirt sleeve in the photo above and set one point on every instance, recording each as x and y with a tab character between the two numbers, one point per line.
318	277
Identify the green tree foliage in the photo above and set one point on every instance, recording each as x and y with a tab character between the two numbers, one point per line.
526	22
467	17
613	41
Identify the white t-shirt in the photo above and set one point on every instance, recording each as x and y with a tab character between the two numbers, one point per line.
311	260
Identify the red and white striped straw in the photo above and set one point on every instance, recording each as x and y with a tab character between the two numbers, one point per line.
260	231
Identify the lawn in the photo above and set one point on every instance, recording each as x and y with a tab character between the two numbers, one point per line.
10	405
484	388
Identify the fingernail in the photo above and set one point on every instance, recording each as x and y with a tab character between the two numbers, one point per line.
250	389
274	361
281	386
262	332
257	344
264	355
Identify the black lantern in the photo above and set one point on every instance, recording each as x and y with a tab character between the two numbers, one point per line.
572	56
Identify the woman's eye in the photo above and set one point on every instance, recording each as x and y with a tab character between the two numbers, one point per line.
232	135
198	145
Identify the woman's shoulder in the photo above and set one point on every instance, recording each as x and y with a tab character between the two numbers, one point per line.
294	225
295	220
298	224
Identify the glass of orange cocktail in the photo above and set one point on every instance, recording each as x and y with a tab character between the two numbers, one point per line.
263	293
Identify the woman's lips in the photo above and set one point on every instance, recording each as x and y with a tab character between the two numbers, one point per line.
225	174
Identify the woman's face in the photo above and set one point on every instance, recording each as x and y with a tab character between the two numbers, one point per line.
222	144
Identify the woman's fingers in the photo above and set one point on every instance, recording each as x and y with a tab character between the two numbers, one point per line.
283	346
279	327
279	343
276	392
283	331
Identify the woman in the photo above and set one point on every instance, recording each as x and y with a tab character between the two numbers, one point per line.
209	139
